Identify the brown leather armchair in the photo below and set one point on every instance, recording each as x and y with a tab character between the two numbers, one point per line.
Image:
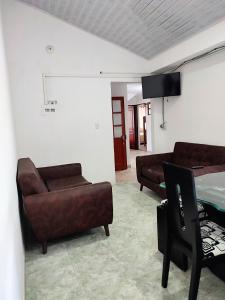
59	201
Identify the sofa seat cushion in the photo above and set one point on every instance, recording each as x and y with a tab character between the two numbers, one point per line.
154	173
66	183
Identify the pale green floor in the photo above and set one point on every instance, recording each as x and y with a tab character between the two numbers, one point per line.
126	265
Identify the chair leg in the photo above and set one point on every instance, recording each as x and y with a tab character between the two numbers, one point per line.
195	278
44	247
166	269
107	230
141	187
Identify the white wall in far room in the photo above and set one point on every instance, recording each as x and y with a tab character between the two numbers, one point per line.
198	115
11	248
81	128
134	97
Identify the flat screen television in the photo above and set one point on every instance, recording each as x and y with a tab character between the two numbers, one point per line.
163	85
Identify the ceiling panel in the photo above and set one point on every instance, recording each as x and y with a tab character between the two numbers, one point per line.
145	27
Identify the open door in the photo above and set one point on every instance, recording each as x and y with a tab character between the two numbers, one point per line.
119	135
133	126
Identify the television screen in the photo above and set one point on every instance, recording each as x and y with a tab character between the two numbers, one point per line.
163	85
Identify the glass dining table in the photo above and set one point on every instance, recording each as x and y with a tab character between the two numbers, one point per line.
210	190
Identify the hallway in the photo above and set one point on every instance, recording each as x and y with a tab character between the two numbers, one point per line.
129	175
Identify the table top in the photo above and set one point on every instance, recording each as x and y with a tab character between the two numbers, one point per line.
210	189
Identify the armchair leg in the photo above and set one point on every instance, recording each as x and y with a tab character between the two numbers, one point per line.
44	247
141	187
107	230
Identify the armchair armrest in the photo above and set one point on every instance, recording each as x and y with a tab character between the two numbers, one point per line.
59	213
149	160
208	170
60	171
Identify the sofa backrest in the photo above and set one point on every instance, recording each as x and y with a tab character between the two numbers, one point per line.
190	154
29	179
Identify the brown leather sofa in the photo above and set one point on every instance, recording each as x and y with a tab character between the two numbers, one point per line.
59	201
202	159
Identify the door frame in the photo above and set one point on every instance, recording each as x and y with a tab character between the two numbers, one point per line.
123	130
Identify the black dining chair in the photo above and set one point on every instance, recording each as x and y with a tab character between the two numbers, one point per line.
202	241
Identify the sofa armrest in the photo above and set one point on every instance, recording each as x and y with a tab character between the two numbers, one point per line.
208	170
149	160
59	213
60	171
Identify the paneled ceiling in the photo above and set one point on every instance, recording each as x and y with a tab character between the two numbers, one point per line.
145	27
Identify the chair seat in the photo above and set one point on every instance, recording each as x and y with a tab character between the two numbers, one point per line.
213	239
65	183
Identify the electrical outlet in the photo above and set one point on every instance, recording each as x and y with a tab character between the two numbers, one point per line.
52	102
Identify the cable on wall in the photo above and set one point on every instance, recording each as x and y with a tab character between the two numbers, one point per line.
198	57
99	75
163	125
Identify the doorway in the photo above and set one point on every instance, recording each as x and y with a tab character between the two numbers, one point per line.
127	144
133	126
142	127
139	126
119	133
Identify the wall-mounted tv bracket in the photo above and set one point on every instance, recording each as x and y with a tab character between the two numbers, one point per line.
163	125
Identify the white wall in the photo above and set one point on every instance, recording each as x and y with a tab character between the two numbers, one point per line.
198	115
11	249
70	134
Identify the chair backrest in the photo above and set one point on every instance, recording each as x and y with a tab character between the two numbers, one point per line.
29	179
183	221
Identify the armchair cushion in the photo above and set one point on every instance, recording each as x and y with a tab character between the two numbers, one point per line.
66	183
60	171
59	213
151	160
154	173
29	178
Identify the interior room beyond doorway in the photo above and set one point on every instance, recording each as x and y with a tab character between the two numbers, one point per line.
136	138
